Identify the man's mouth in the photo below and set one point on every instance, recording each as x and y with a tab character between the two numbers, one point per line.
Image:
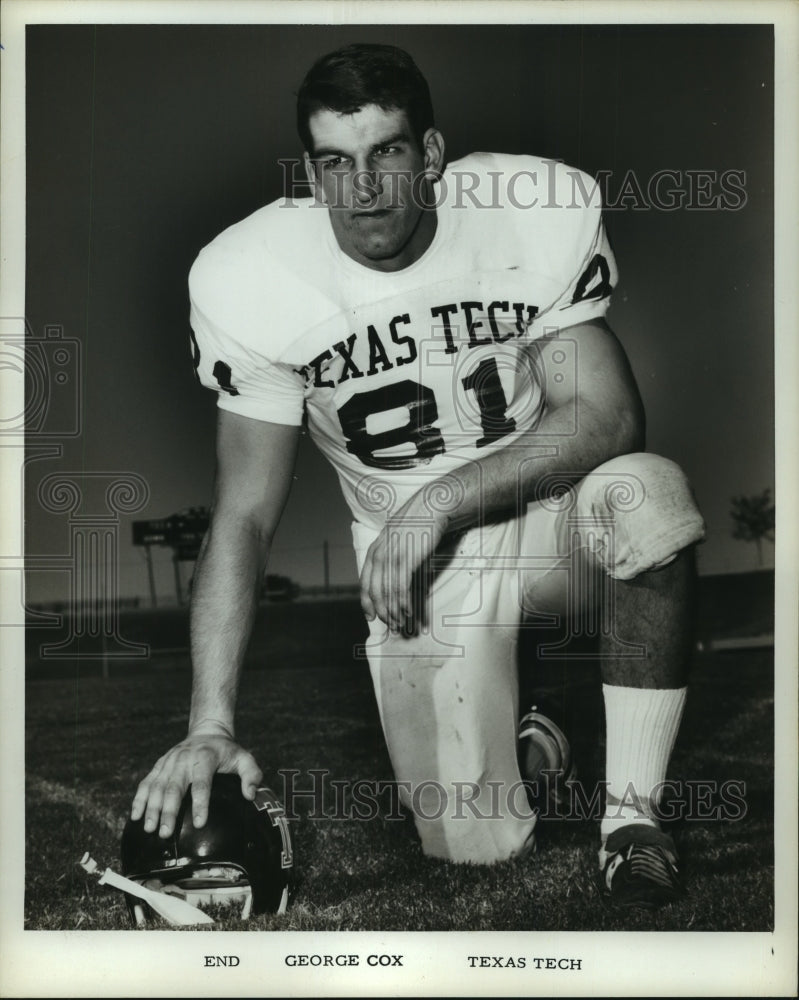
372	213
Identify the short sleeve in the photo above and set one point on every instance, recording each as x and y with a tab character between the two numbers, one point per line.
588	266
588	295
246	381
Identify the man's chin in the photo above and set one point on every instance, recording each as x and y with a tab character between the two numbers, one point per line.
377	250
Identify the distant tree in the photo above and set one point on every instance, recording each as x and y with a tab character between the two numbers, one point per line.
753	518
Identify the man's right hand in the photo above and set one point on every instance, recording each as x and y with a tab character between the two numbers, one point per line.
194	761
255	465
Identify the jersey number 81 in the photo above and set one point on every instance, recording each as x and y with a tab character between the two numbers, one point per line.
420	432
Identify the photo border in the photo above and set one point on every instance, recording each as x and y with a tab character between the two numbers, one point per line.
99	963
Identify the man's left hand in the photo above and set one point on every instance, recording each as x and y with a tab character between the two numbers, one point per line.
409	538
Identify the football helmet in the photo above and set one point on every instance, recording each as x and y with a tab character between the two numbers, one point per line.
545	760
242	856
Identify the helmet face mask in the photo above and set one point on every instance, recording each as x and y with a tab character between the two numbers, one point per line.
212	888
241	859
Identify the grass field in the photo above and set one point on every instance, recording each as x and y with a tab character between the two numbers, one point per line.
306	705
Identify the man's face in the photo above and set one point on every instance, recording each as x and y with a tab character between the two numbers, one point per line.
370	172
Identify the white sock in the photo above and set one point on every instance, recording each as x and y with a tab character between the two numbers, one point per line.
642	726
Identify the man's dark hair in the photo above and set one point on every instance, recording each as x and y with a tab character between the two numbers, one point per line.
348	79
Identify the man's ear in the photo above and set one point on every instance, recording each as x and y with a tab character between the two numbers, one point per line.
434	153
313	180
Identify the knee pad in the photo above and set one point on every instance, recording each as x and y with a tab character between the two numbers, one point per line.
643	513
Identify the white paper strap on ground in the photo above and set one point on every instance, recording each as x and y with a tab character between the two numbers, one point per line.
176	911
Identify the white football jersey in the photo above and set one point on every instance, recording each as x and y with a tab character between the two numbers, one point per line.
404	375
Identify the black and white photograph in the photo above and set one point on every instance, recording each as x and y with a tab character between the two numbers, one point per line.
399	549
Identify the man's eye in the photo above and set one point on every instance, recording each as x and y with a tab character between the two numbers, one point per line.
331	163
387	150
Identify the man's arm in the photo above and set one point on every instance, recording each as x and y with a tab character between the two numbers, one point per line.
610	422
255	463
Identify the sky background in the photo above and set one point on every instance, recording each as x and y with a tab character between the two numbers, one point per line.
144	142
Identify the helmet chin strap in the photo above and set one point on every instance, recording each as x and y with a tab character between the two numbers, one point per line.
173	909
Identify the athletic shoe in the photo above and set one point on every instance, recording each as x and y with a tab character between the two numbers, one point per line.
545	761
638	867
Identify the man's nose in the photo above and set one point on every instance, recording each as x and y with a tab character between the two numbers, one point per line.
367	186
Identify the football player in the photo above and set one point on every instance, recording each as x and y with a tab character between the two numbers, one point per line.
441	327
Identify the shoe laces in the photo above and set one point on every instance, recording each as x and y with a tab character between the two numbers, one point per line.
651	862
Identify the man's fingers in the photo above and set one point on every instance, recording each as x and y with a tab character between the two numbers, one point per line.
377	590
194	762
173	797
152	813
201	777
372	600
367	605
140	799
402	581
385	579
401	595
402	557
160	795
251	775
142	795
388	580
200	797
